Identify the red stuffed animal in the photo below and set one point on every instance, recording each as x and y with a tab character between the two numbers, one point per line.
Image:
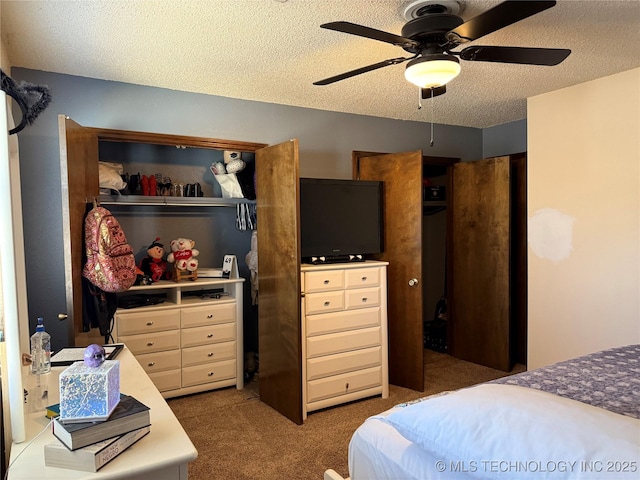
154	265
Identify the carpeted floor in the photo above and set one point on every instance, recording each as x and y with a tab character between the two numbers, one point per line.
239	437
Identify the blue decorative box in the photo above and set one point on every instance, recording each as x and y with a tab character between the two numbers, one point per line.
89	394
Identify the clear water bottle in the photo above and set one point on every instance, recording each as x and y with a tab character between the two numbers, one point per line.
40	350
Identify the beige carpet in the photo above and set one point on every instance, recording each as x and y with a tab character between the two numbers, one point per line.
239	437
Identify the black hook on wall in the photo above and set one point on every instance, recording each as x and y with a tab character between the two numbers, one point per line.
32	99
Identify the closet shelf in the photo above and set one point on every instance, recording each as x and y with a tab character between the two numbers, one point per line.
143	200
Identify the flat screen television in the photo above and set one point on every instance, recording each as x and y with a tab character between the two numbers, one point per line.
339	218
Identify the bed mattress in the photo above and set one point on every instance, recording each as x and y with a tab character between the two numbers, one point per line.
517	427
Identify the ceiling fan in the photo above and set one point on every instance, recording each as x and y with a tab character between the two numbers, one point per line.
434	29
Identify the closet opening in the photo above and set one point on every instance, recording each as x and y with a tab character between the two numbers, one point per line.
434	254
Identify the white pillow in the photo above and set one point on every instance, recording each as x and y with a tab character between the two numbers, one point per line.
506	431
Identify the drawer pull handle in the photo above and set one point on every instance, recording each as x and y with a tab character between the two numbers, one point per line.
364	299
326	304
210	335
210	354
210	315
151	364
347	386
149	323
364	279
149	344
326	282
210	374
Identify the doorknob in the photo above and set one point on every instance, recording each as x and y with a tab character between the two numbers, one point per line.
62	316
413	282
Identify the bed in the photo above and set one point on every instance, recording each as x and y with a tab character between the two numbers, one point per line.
574	419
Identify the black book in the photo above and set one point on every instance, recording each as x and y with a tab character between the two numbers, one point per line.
130	414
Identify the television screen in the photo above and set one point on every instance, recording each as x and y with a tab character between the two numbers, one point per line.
340	217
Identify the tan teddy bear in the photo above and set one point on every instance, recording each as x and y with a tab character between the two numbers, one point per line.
183	254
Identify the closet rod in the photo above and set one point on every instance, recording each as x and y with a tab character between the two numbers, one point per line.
169	201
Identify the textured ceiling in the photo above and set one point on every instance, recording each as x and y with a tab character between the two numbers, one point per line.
273	50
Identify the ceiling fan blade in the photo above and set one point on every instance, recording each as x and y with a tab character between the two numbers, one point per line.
498	17
427	92
358	71
362	31
523	55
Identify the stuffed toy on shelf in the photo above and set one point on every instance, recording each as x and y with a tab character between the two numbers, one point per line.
154	265
183	256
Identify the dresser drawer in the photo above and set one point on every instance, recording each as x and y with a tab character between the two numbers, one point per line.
212	372
361	298
324	281
326	366
342	384
192	337
143	322
159	361
208	353
324	302
169	380
208	315
341	321
343	342
156	342
362	277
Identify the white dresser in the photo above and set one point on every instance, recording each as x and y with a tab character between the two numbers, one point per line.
190	343
344	331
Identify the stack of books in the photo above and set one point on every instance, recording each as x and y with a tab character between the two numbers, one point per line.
88	446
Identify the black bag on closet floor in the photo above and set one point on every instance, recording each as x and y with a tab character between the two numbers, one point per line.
435	331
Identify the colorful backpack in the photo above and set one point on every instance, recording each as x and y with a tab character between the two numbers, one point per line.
111	265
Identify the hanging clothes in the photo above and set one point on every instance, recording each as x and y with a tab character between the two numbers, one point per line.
252	262
246	216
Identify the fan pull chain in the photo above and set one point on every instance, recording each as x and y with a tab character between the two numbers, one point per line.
432	108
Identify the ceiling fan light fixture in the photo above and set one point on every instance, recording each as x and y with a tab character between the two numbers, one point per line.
431	71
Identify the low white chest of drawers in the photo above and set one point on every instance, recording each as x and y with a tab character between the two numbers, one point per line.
190	343
344	331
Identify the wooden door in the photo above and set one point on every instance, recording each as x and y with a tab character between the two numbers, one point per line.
279	328
79	171
402	177
480	252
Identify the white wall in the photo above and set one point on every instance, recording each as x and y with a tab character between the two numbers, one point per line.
5	63
584	250
5	66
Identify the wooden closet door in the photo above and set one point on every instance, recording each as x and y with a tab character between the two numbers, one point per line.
480	252
279	328
402	177
79	171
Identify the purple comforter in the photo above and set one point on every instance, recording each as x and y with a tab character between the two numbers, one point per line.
609	379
